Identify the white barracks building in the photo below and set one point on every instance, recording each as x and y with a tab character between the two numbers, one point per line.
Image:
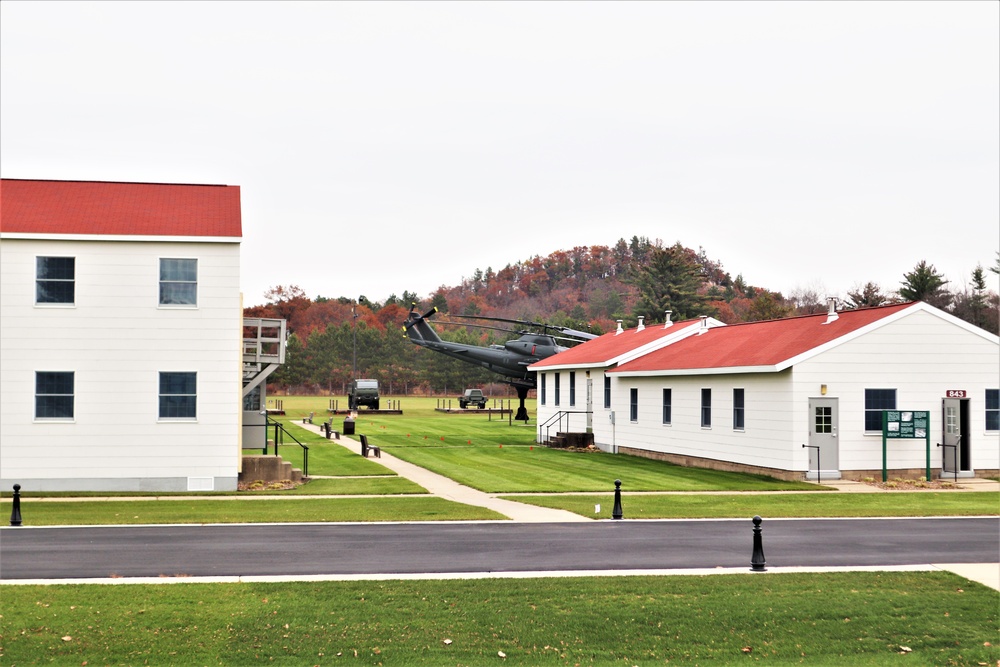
794	398
121	344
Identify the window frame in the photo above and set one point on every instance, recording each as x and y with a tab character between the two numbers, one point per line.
47	397
161	396
739	409
633	404
171	282
607	391
992	411
555	388
542	388
706	407
874	405
668	406
572	389
39	280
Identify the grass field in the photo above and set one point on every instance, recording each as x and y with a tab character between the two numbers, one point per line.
774	505
779	619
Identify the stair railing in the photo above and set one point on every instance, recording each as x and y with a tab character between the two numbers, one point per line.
279	435
557	419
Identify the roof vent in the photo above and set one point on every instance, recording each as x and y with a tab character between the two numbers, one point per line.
831	309
667	323
703	327
619	330
640	326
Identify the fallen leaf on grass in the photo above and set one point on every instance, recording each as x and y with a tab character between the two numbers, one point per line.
747	649
67	638
501	654
905	649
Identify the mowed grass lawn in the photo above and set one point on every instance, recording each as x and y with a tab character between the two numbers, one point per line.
496	456
837	619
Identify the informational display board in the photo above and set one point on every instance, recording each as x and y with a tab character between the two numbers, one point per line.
905	425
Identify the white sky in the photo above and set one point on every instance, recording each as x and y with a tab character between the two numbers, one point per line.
384	146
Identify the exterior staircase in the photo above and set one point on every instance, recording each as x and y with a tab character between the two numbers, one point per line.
268	469
568	440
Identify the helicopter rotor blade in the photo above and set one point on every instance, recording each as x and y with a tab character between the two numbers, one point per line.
476	326
584	335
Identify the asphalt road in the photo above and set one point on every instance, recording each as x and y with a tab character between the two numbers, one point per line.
335	549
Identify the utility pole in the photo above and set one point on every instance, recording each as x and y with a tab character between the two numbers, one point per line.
354	330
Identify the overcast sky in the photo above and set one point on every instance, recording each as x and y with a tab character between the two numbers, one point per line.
383	147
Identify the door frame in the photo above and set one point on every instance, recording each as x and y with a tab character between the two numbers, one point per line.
963	439
829	444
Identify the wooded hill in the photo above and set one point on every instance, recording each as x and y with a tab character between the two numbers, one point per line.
586	288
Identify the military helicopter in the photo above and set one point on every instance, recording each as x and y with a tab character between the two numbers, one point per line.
510	360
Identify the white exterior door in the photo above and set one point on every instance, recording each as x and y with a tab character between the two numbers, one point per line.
823	434
590	405
955	436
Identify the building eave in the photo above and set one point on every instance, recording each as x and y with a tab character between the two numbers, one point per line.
118	238
724	370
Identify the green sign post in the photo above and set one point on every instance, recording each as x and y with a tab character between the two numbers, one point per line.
905	425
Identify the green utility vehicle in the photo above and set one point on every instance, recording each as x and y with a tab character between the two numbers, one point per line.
472	397
362	392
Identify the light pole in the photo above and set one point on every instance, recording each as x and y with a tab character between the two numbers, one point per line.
354	330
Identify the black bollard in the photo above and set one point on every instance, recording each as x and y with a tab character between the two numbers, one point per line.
15	513
757	559
616	513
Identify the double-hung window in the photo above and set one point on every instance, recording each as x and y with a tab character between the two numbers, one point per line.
55	280
178	282
53	395
706	408
178	395
877	400
556	402
668	401
542	389
572	388
738	409
633	404
993	409
607	391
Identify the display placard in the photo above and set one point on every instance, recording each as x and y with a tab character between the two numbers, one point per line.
905	425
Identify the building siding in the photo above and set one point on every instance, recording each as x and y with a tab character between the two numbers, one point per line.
116	339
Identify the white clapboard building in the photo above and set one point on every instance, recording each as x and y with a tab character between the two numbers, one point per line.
798	397
121	360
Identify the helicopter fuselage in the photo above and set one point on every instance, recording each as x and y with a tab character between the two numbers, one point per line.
510	359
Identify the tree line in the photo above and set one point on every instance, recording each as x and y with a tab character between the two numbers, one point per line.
332	340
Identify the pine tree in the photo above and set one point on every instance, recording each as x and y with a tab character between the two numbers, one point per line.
925	284
670	280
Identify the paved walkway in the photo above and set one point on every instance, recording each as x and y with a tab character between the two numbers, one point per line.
449	489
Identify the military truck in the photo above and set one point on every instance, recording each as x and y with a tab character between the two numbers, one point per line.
472	397
362	392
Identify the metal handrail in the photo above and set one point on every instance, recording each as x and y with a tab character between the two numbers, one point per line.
559	416
279	432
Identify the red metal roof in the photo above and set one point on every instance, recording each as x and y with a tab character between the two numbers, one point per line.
604	349
757	344
119	209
